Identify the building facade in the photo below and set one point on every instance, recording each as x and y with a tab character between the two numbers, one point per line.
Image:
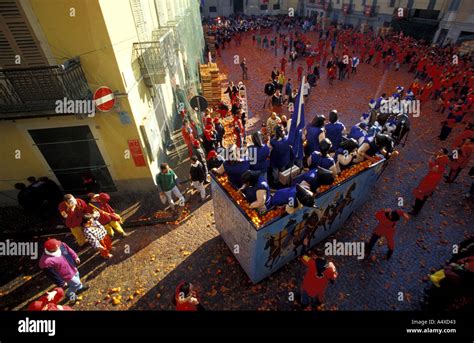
147	52
438	20
456	22
218	8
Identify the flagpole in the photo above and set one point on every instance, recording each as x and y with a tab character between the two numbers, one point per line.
298	112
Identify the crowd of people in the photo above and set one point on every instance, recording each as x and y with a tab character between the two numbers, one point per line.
328	145
441	74
94	222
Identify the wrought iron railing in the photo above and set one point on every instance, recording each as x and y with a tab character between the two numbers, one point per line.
151	62
36	90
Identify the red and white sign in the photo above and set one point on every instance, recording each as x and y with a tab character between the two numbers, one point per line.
104	99
136	152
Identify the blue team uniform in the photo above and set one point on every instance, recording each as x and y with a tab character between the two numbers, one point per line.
251	192
356	133
262	153
334	133
312	137
281	153
318	160
234	171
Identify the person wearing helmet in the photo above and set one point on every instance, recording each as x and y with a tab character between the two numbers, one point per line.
234	167
335	129
313	178
346	153
380	144
390	126
359	131
257	191
321	158
314	133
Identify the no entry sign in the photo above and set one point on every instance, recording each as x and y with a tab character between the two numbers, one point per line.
104	99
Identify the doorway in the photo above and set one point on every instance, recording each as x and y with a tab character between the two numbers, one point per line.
72	153
238	6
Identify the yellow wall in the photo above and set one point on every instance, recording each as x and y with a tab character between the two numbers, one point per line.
86	35
101	33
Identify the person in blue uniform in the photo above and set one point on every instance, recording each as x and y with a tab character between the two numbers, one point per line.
280	154
381	100
261	154
234	167
410	96
314	134
380	144
257	191
401	91
358	132
346	153
335	129
321	158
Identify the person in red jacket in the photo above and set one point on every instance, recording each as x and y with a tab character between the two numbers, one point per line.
309	64
387	221
238	131
188	137
428	184
460	160
186	298
299	71
49	302
72	210
378	58
466	134
108	218
318	274
283	62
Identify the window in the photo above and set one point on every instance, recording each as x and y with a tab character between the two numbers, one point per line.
276	6
212	9
263	7
410	3
392	3
364	2
454	5
431	5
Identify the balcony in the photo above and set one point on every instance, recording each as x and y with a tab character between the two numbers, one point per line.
33	92
158	56
150	61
